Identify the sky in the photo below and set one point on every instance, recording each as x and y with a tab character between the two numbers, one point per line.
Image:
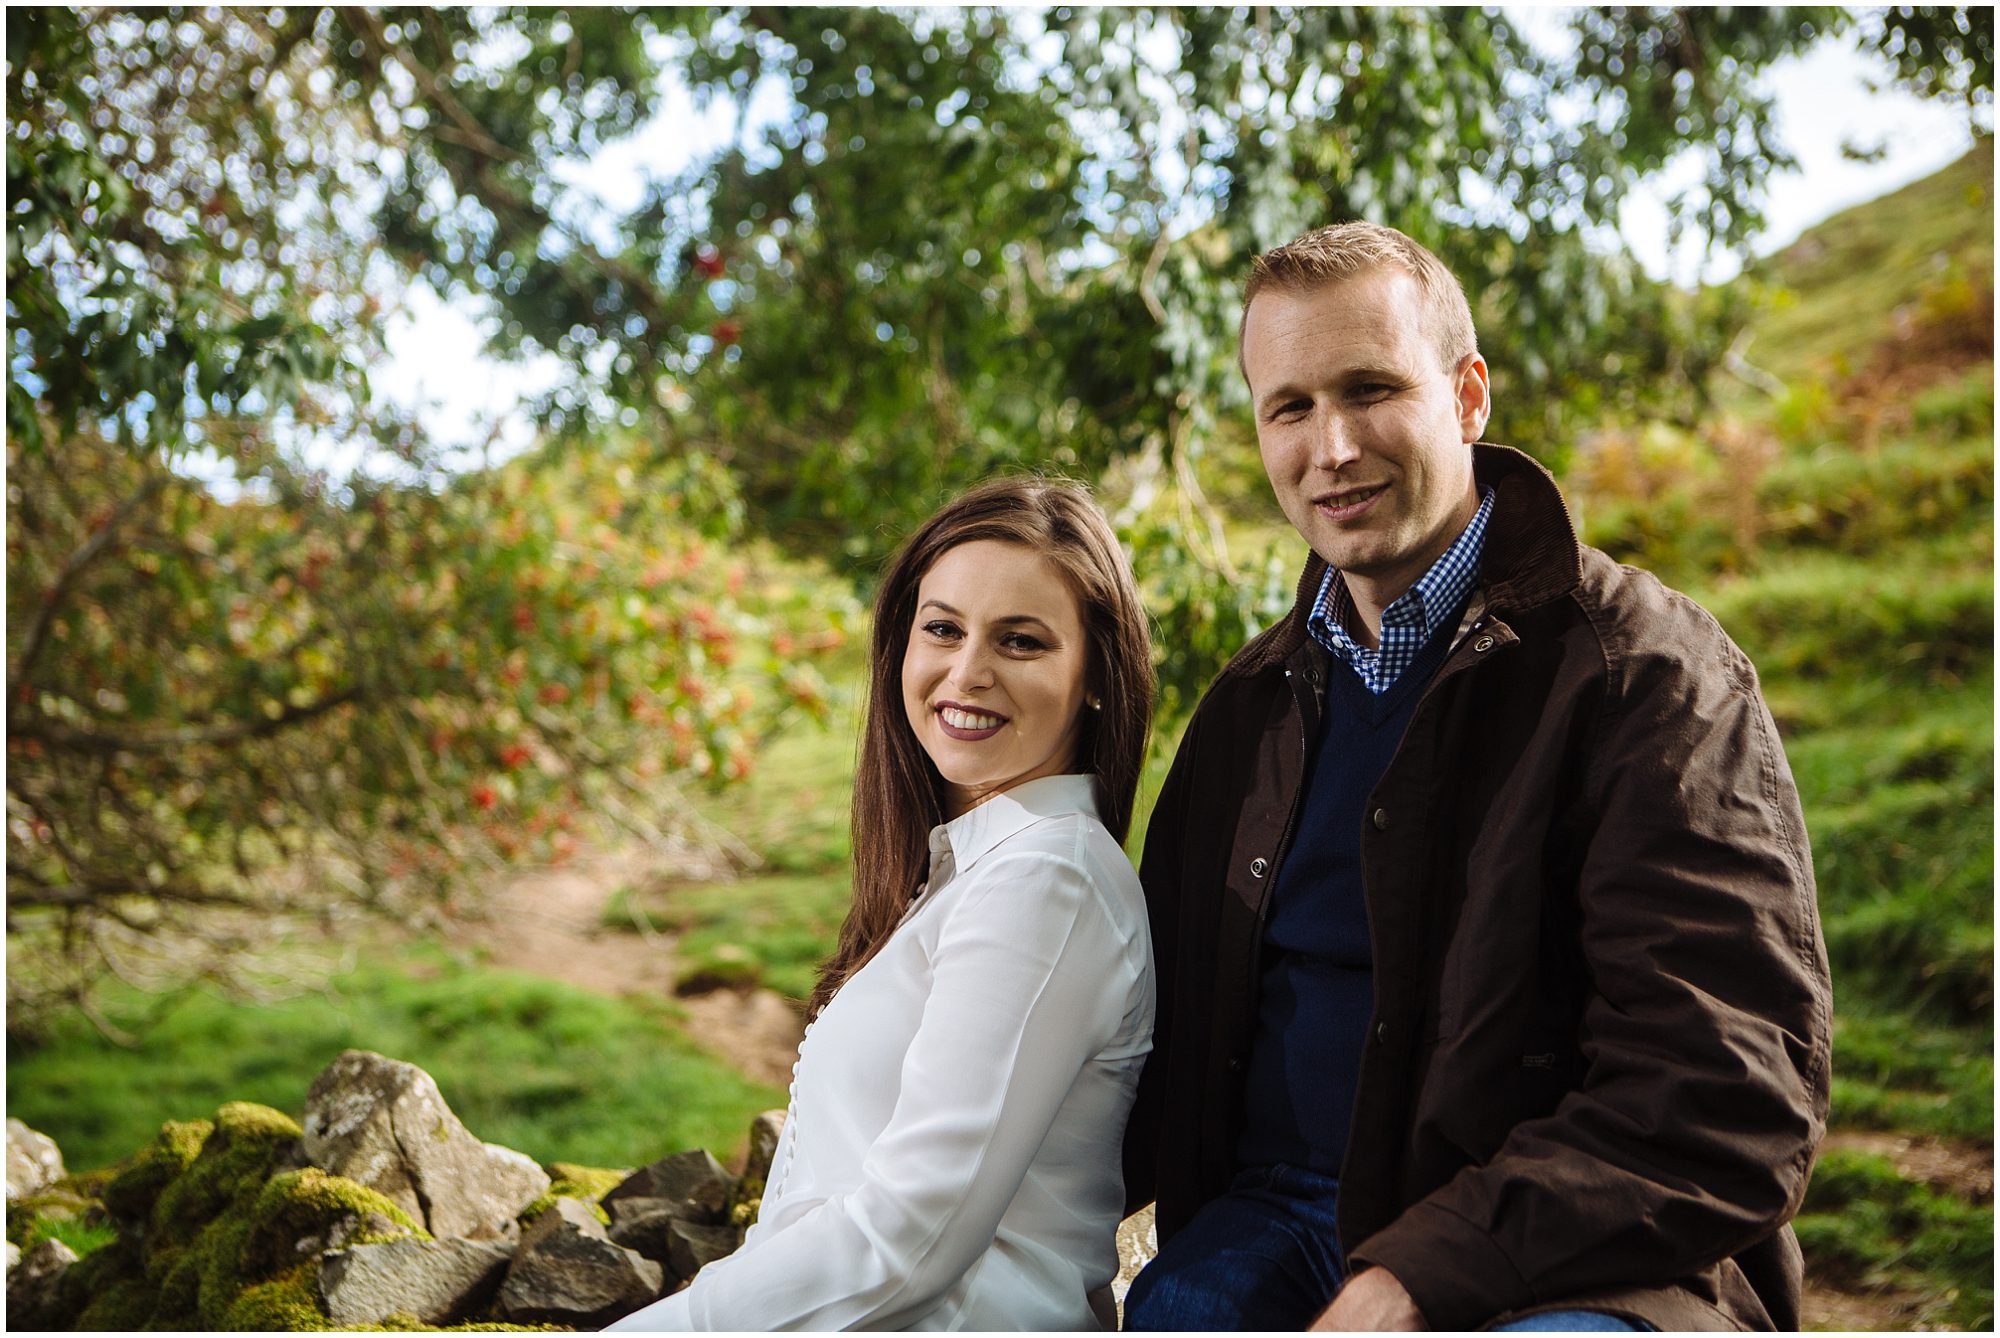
1824	101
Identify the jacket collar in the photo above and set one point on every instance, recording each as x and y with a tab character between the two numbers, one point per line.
972	833
1531	555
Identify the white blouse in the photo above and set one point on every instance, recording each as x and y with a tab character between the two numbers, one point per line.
950	1157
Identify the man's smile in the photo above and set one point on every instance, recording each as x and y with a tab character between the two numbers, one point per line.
1348	502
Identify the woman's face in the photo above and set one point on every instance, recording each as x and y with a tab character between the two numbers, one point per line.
993	675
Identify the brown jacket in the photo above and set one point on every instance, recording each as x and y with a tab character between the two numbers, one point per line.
1598	1062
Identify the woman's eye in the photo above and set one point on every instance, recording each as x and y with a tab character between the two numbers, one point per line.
942	630
1022	641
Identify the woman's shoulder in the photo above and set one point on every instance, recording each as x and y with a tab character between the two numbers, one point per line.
1074	851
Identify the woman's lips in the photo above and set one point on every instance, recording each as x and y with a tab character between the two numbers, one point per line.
1349	504
968	726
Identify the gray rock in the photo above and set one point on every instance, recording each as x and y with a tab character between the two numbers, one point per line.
34	1162
384	1123
765	1131
569	1271
33	1283
690	1246
693	1184
438	1281
642	1225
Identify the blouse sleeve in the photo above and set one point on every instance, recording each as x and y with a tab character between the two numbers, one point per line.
1030	981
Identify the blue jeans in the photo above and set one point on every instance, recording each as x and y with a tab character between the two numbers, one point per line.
1266	1255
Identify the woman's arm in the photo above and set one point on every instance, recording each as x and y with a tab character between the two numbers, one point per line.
1030	980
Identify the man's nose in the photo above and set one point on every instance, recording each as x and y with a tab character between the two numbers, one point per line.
1333	440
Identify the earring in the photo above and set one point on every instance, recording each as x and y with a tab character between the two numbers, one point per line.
1095	704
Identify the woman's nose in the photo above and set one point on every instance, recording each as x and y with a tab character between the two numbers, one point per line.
972	667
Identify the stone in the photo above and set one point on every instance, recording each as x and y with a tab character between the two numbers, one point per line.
13	1255
34	1162
33	1284
642	1225
765	1132
692	1184
384	1124
1138	1245
437	1281
690	1246
569	1271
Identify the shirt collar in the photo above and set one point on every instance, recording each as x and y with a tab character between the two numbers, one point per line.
1437	592
979	829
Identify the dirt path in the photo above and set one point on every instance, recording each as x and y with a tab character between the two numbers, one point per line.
550	921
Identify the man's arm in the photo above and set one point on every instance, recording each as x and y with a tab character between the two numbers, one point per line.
1706	1032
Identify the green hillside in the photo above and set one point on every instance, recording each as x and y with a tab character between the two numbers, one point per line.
1838	289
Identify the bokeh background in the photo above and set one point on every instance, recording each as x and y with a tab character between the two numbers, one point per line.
515	741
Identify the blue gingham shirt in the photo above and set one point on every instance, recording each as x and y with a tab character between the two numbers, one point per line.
1408	623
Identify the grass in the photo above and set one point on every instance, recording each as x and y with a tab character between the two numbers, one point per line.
1839	286
554	1071
1868	1226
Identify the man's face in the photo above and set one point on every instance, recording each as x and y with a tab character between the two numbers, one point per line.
1365	436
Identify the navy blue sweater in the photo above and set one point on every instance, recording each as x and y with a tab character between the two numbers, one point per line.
1317	970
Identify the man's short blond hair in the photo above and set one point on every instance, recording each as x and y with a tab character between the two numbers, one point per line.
1342	251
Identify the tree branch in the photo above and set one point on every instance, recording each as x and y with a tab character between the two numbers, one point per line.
91	549
54	734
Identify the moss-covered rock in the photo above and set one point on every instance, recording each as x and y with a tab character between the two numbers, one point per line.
136	1187
300	1213
562	1190
586	1181
285	1304
241	1150
107	1291
586	1184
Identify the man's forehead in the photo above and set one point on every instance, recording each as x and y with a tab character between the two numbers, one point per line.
1377	316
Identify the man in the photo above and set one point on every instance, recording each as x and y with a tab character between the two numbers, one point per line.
1491	984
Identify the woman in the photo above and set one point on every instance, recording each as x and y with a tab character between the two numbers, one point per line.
951	1153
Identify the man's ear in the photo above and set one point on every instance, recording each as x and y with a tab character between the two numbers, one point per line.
1475	400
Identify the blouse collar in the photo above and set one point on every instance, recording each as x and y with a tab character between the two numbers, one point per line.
979	829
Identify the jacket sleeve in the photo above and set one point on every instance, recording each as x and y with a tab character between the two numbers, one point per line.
1705	1034
1019	1003
1160	872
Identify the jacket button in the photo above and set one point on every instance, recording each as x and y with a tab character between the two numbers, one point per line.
1484	643
1259	866
1235	1064
1381	1033
1381	819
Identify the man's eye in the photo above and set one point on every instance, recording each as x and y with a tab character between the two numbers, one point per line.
1290	409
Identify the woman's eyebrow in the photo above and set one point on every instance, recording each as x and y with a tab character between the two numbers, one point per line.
1011	620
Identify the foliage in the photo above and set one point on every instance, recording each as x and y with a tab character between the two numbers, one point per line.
238	685
937	245
555	1071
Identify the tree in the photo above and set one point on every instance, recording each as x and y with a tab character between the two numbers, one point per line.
283	692
938	245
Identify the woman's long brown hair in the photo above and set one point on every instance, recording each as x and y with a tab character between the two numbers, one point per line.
898	794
